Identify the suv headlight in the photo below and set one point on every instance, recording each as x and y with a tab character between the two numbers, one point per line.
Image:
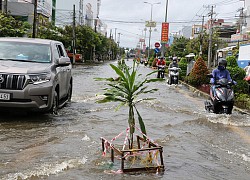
40	78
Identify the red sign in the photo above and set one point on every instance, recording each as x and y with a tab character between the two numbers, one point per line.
164	32
157	44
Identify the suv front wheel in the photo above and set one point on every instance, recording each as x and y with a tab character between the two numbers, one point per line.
55	106
69	93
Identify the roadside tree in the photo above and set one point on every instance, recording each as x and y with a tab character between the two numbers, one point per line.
198	75
10	27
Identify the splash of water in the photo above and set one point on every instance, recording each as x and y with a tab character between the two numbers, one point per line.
47	169
240	121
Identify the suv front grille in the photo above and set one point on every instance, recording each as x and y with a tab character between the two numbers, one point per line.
12	81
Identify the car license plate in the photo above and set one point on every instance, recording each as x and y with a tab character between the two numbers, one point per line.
4	96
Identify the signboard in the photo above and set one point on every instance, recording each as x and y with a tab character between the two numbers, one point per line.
244	55
157	44
144	47
229	53
150	24
157	50
164	32
239	37
142	40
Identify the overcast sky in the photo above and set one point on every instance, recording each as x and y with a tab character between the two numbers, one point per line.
129	16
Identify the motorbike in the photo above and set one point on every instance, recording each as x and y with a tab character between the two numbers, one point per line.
161	71
173	75
221	97
145	62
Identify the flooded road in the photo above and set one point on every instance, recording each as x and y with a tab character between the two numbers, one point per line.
196	145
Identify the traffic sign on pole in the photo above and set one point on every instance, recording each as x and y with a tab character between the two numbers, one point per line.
157	50
157	44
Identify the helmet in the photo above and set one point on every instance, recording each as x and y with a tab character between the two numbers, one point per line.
222	62
161	58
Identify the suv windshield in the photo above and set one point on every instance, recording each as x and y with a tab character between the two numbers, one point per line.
24	51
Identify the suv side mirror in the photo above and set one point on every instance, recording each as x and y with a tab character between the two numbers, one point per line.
64	61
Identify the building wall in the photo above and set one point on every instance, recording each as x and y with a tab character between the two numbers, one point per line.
25	8
187	31
87	13
196	30
21	9
247	11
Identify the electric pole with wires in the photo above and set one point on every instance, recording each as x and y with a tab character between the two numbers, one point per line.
241	21
210	37
34	19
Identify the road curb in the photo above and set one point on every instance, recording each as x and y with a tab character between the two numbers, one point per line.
205	95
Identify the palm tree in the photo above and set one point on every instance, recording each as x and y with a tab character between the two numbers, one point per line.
126	89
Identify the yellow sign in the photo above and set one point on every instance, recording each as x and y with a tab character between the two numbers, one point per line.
150	24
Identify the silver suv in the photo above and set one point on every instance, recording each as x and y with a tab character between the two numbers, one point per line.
35	75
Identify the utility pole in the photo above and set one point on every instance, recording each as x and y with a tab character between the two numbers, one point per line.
118	41
115	34
6	7
210	38
166	18
34	19
150	26
53	12
74	34
166	13
94	57
110	34
110	37
241	20
1	4
81	12
201	35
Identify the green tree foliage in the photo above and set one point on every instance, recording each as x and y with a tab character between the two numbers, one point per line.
242	85
193	46
183	66
86	39
49	31
178	48
231	61
9	27
198	75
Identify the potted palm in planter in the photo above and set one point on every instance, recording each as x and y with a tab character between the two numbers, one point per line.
126	89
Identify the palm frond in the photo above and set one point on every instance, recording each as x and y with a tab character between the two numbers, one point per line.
141	123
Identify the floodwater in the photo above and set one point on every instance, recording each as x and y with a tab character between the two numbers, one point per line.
196	145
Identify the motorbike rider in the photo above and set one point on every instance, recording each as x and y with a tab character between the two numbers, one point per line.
219	73
174	63
160	63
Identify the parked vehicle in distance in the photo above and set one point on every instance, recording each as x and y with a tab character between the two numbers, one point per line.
78	57
35	75
243	58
